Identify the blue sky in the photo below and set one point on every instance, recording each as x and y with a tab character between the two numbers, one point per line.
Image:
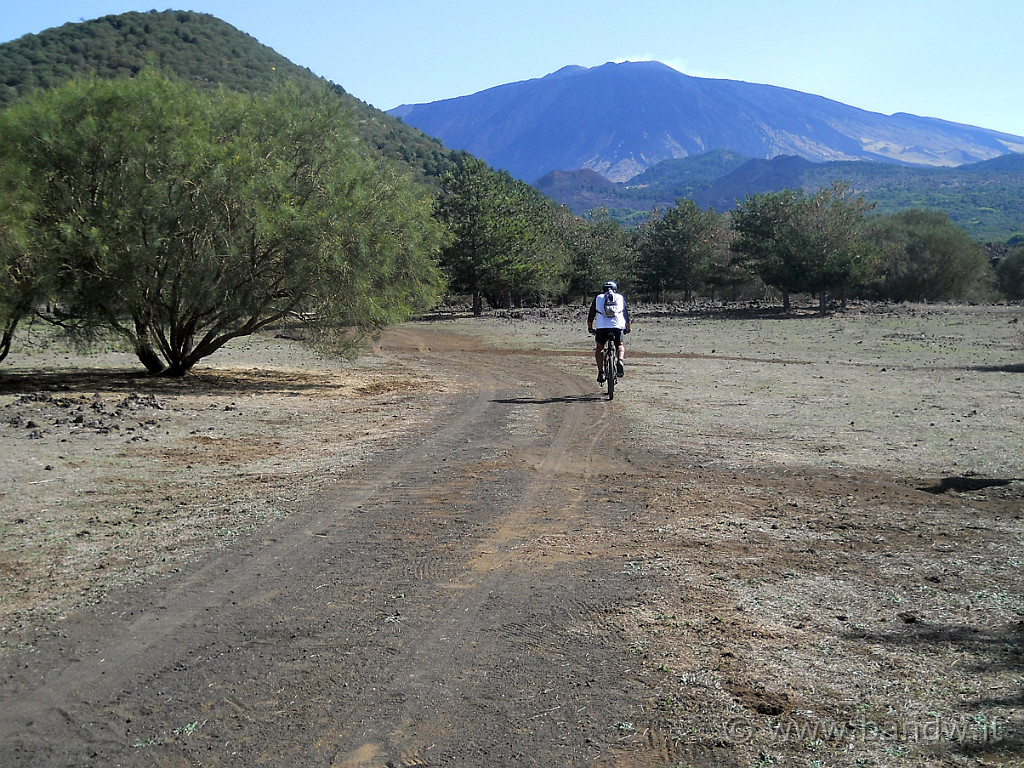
952	59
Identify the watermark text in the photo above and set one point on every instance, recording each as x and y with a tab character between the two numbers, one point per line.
740	730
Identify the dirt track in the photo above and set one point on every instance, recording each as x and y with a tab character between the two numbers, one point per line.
454	602
507	586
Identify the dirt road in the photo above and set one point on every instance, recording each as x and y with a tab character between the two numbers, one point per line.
453	602
742	560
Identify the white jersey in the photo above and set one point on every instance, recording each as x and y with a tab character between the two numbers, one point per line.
616	316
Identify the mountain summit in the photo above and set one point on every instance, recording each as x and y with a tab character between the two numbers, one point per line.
619	119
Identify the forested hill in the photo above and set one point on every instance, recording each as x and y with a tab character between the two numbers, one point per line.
986	199
197	47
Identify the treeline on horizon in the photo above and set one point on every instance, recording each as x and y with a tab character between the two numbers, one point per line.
229	189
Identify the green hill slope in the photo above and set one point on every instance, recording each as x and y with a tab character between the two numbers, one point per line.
197	47
986	199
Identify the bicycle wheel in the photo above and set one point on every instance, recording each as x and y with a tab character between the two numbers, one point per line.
610	375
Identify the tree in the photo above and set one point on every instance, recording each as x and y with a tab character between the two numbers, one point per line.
803	244
768	239
182	219
926	257
21	286
1010	274
725	277
504	237
676	250
471	205
599	250
838	255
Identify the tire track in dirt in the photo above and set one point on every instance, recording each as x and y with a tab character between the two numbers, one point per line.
466	627
452	602
145	634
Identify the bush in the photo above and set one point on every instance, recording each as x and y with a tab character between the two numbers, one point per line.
1010	275
926	257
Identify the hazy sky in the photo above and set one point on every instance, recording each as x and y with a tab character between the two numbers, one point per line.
959	60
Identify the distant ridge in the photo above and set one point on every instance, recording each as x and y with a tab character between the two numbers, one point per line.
620	119
211	52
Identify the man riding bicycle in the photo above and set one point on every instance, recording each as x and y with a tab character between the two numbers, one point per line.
609	316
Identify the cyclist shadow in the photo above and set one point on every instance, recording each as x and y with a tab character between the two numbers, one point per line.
551	400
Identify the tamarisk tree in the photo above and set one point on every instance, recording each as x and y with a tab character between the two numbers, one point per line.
182	219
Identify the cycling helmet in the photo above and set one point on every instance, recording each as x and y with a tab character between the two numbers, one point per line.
612	285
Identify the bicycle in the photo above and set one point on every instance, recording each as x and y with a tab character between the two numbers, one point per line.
611	374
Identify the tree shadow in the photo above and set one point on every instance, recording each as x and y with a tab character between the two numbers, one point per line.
444	315
752	311
998	748
999	647
123	380
592	398
1013	368
968	483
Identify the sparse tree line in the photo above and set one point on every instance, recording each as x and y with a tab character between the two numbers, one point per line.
829	245
179	219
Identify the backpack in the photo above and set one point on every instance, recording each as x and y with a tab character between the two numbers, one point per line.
609	304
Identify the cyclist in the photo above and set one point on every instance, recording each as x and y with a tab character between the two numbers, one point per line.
609	316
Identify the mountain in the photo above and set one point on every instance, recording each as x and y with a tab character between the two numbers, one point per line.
202	49
620	119
985	198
